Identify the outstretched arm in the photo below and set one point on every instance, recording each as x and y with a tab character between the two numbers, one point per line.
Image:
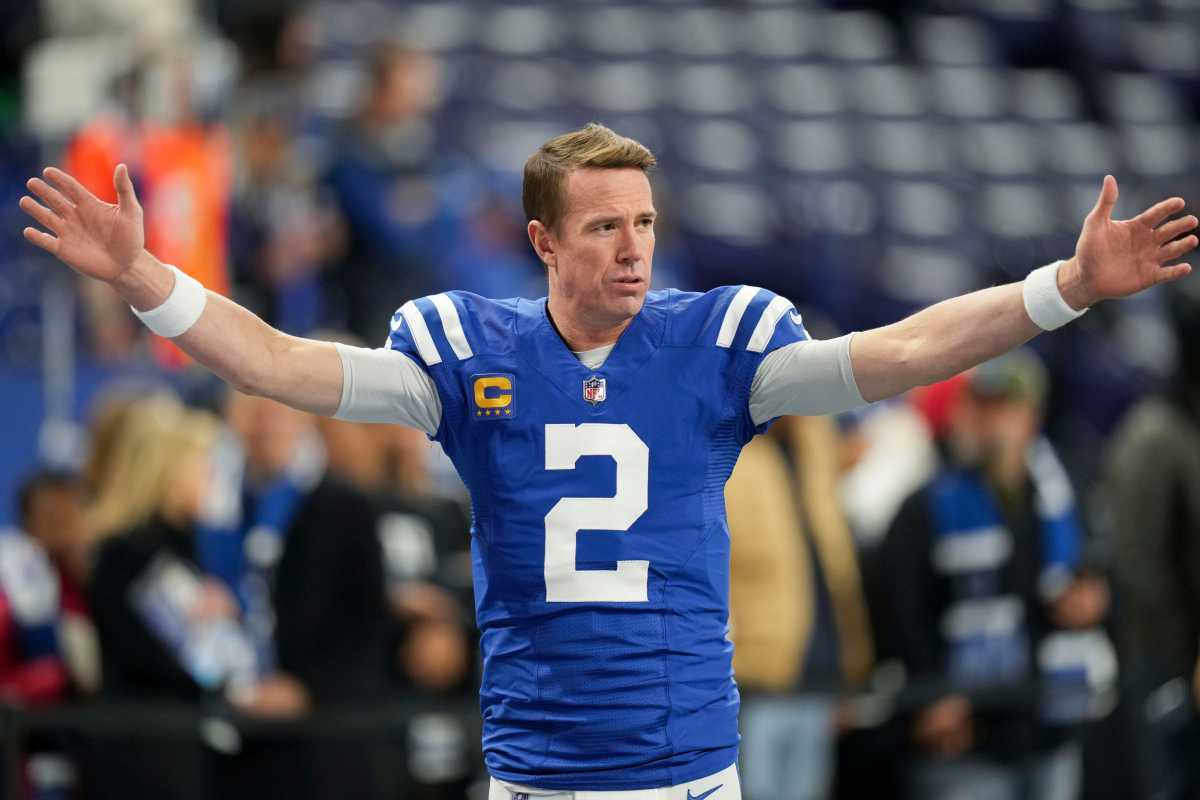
1113	259
106	242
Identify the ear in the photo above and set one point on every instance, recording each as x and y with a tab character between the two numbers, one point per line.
544	244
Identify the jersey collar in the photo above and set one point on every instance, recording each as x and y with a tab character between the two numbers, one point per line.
551	356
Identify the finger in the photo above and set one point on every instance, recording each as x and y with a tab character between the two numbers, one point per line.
50	196
1173	250
1156	213
44	216
1107	199
126	197
1175	228
1168	274
67	185
42	240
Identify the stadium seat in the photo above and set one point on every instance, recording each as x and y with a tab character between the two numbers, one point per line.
921	275
952	41
723	146
1137	97
804	90
1158	151
527	85
438	27
619	87
859	36
922	209
999	149
967	92
1165	48
1079	148
737	212
711	89
700	32
617	30
782	33
1044	95
887	91
906	148
521	30
813	146
1016	210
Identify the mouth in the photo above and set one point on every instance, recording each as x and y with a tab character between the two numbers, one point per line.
629	280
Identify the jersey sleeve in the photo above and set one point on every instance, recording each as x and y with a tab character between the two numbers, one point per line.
776	360
759	322
410	380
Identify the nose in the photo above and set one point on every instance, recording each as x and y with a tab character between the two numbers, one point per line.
630	248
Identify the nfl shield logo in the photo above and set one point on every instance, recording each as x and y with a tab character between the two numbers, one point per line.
594	390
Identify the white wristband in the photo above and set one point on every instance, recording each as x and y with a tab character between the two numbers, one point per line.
1043	302
180	310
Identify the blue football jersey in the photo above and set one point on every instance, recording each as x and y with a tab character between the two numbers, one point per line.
599	541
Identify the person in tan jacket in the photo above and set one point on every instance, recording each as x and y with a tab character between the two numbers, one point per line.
798	617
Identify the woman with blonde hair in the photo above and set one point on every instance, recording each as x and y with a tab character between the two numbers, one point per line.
155	611
152	460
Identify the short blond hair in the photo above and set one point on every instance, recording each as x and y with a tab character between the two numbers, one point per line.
543	191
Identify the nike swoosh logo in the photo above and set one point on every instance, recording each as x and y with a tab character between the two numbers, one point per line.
691	796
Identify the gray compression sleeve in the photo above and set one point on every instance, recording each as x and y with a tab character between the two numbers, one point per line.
387	386
807	379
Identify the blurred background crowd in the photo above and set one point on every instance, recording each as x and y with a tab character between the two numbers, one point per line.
988	589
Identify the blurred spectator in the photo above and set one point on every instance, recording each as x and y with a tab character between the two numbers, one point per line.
1154	491
491	256
281	237
183	165
32	670
423	540
981	589
797	612
165	475
47	644
890	455
382	180
130	473
160	623
306	567
51	512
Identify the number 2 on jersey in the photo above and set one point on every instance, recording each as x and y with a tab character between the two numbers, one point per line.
565	445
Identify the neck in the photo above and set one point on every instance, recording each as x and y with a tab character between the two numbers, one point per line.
578	334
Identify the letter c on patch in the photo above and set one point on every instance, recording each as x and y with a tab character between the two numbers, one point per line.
500	394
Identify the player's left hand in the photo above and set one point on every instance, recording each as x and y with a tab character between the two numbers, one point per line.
1117	258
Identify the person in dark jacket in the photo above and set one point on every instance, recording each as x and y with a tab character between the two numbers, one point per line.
1154	490
306	567
984	600
156	479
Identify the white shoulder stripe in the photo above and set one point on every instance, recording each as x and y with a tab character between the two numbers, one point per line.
733	314
452	325
765	328
420	333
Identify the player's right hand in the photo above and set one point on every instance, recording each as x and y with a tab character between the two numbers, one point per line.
94	238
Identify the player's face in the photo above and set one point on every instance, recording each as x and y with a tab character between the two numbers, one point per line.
601	253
